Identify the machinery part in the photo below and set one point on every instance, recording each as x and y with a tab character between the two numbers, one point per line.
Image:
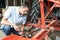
34	14
15	37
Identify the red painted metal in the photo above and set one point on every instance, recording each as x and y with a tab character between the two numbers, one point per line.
57	23
55	1
42	13
15	37
50	23
39	36
57	28
49	12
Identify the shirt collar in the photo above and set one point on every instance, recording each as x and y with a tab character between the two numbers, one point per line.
17	12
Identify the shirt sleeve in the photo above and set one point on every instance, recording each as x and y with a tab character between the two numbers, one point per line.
7	13
24	20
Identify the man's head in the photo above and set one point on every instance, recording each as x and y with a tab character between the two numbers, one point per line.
23	9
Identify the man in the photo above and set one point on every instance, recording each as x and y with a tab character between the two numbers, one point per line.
12	17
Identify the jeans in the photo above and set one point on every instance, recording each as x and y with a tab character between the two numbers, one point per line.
8	30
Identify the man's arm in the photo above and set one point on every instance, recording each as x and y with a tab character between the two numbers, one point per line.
6	16
24	22
5	21
22	28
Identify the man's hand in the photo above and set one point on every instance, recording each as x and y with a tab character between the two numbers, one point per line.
16	27
22	28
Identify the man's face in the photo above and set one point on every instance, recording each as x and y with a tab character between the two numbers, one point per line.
24	10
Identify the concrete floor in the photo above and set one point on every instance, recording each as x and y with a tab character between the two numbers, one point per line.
2	35
53	36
